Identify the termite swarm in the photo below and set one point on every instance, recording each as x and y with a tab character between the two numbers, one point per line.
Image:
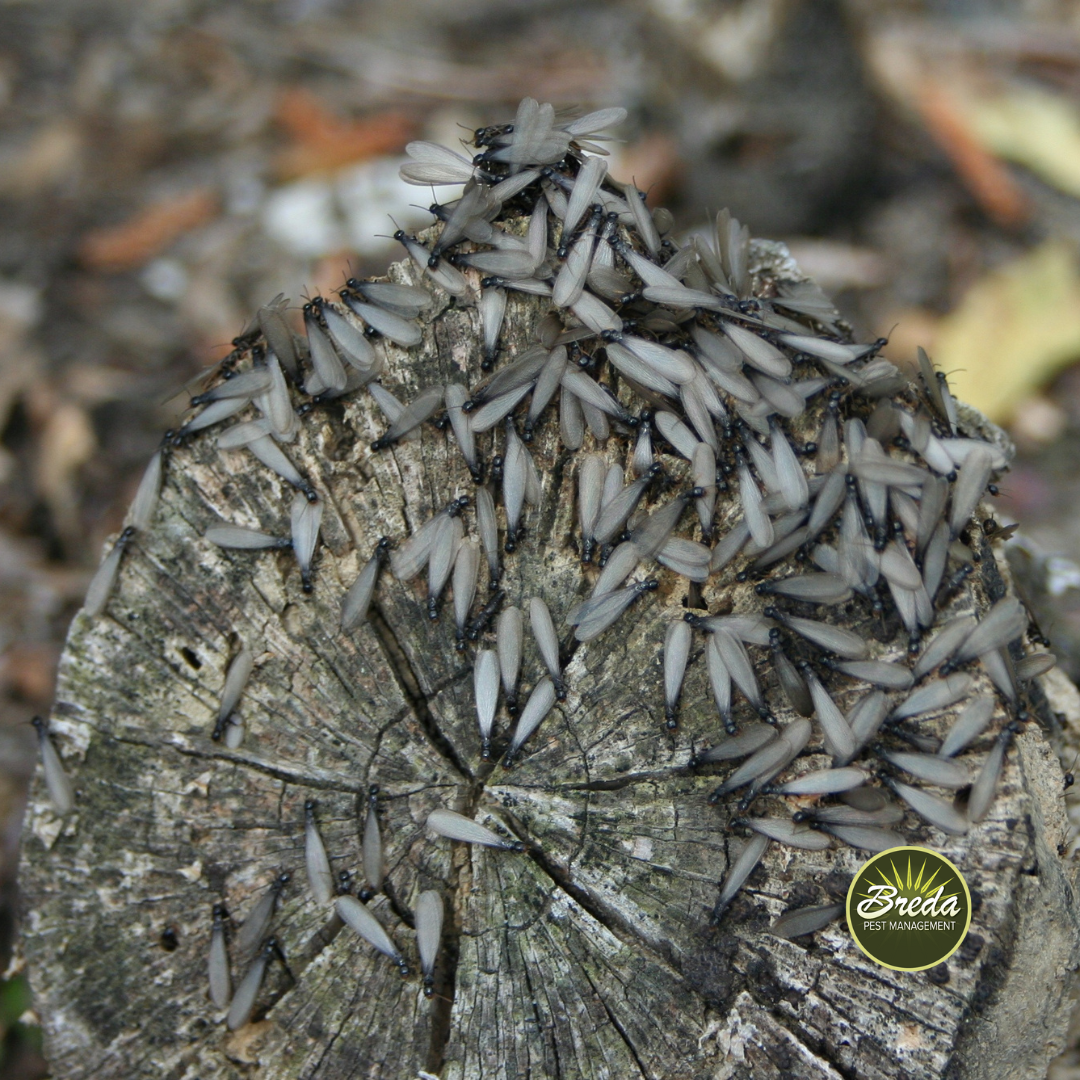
724	441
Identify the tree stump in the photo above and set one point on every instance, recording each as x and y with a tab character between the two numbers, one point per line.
588	955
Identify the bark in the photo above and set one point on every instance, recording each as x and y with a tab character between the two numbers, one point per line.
588	956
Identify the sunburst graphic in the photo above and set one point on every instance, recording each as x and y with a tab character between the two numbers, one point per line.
910	882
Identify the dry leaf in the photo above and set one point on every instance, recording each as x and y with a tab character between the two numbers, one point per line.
1033	128
151	231
985	177
320	141
1013	330
51	154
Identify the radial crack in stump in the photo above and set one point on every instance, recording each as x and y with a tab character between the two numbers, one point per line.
678	450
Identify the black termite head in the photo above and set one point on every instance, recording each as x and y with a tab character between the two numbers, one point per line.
169	939
382	444
433	608
344	883
373	796
459	505
429	985
307	586
219	729
382	548
485	749
220	913
671	722
365	894
281	881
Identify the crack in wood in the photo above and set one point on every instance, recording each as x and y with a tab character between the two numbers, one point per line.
409	685
623	1034
603	914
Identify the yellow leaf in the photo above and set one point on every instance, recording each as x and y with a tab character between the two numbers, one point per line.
1014	329
1033	128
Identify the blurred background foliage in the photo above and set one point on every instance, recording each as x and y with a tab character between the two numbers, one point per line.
167	166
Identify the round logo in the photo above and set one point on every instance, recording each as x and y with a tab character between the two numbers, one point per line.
909	908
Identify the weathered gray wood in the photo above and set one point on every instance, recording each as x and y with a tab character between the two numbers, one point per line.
591	956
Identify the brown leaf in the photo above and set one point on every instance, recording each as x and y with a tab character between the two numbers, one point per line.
29	670
986	177
151	231
320	141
